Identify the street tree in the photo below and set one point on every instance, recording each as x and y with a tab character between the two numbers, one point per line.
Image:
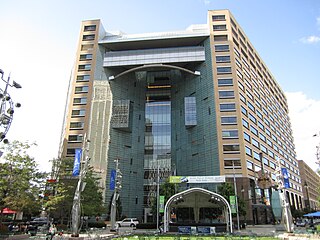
61	192
226	190
20	180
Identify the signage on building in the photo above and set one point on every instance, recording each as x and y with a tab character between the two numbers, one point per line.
197	179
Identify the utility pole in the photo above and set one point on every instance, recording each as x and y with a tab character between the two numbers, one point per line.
116	194
80	187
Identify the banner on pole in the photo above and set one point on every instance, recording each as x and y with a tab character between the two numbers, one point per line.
161	204
76	164
233	204
285	175
113	179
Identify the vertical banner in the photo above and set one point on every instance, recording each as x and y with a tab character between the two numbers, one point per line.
113	179
233	204
285	178
161	204
76	164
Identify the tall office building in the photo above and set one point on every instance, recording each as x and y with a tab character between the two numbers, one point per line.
196	102
310	182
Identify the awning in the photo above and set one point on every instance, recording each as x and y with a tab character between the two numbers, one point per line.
314	214
8	211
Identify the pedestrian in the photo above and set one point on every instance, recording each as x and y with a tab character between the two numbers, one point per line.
52	232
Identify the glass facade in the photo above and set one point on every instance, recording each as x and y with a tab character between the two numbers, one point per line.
157	151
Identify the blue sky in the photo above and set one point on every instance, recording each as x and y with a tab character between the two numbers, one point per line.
39	39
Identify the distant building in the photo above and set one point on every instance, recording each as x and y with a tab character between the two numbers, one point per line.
196	102
310	181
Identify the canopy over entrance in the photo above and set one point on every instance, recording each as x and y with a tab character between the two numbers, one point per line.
198	206
8	211
314	214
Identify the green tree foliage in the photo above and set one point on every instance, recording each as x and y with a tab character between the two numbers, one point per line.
20	180
60	201
226	190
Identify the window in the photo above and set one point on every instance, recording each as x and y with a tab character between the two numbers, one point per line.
248	151
249	165
75	138
256	156
85	57
232	163
221	27
255	143
90	28
252	118
86	47
76	125
253	130
226	94
88	37
246	136
228	120
251	106
245	123
71	151
244	111
221	59
222	70
83	78
218	18
227	107
262	137
225	82
231	148
230	134
220	38
242	98
263	148
84	67
78	101
260	125
78	113
221	48
272	165
82	89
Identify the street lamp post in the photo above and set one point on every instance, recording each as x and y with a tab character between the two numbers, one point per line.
6	107
116	194
80	187
236	195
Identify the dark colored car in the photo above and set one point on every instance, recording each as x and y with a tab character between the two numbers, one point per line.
40	221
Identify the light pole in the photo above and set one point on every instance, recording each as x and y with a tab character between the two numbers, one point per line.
80	187
6	107
236	195
113	211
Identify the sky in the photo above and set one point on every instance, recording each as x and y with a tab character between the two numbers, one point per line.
39	39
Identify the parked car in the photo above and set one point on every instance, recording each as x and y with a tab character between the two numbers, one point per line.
301	223
40	221
128	222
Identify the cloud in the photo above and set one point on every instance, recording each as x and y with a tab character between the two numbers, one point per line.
310	39
206	2
304	114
